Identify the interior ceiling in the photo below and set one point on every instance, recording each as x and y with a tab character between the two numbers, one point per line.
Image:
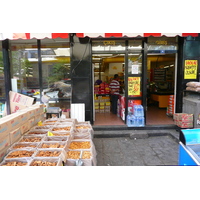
106	60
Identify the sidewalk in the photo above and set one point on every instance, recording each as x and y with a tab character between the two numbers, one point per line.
137	147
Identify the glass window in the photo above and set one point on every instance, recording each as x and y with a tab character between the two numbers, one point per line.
135	63
56	72
162	43
24	67
135	45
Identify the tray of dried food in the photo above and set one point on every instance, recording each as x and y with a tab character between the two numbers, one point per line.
62	128
37	132
20	154
42	127
51	153
46	162
62	134
16	162
25	145
84	134
80	144
57	138
53	145
74	155
33	138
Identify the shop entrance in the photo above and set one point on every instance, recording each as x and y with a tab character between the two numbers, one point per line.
152	66
161	70
105	67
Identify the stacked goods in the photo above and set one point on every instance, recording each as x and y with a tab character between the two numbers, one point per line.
193	86
183	120
96	105
101	105
136	118
96	89
170	108
13	126
53	142
104	88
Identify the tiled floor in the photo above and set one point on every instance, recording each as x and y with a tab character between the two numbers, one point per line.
154	116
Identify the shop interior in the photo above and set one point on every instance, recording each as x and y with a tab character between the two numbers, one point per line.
160	84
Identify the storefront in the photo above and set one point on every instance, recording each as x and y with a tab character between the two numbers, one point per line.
148	65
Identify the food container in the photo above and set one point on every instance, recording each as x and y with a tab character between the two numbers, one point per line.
25	145
53	145
28	153
57	138
80	144
73	156
62	134
37	132
62	128
51	153
33	138
44	127
84	134
46	162
16	162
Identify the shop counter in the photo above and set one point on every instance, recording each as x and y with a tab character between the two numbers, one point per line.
161	98
189	147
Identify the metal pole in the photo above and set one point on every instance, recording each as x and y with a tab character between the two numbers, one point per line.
40	68
7	75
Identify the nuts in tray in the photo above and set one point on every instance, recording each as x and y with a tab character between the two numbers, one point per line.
42	163
76	155
66	128
61	134
36	132
83	127
48	154
31	139
19	146
42	127
14	163
20	154
55	145
80	145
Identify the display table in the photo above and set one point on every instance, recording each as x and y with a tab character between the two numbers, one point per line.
162	99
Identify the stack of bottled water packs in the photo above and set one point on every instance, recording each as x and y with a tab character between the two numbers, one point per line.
136	119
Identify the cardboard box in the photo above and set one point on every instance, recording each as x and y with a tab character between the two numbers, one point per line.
25	127
5	142
3	153
183	116
183	124
31	122
15	135
4	128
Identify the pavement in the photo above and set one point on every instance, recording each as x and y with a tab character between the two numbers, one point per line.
137	147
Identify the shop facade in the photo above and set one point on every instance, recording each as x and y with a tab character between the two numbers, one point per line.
33	63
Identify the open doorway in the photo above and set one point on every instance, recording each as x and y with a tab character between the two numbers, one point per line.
105	66
160	88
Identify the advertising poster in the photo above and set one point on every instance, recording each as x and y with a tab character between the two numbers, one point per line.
133	86
190	69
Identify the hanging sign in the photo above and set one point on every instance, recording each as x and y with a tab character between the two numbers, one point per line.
133	85
190	69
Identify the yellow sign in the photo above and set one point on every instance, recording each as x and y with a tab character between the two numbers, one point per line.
111	42
190	71
133	85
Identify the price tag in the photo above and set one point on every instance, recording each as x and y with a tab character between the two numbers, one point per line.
40	123
49	133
